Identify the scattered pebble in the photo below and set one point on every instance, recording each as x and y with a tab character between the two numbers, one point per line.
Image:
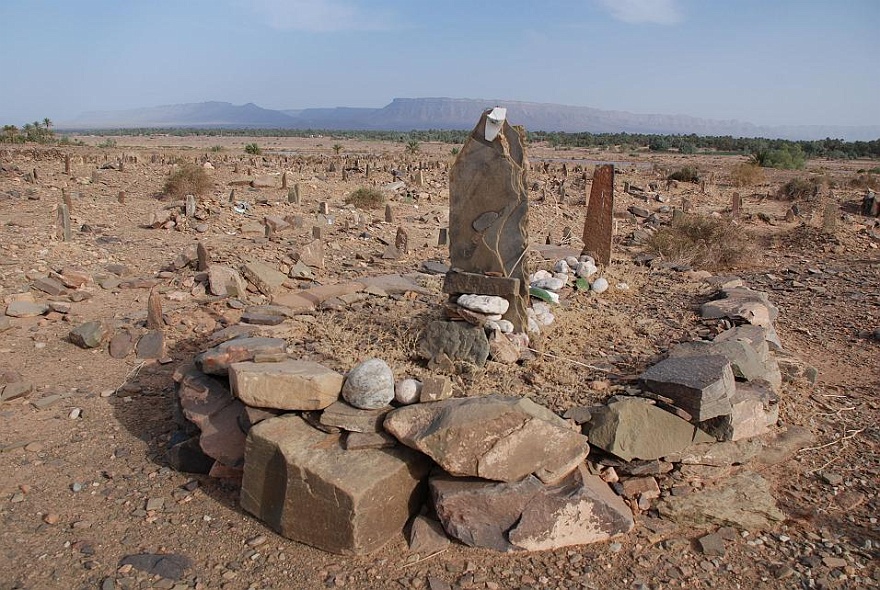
600	285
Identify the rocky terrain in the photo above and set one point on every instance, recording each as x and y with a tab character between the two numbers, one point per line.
89	499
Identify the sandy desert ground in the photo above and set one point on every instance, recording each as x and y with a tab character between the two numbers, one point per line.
77	473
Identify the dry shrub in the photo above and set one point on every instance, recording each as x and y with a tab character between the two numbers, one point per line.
865	181
366	198
686	174
703	242
746	174
799	189
188	179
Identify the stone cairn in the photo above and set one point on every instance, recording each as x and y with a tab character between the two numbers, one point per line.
343	462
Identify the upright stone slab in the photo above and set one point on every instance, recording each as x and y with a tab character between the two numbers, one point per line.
303	484
488	208
736	204
64	223
598	226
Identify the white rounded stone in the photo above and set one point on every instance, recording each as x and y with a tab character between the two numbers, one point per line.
561	266
370	385
571	261
585	270
488	304
551	284
533	327
539	275
503	326
600	285
407	391
538	307
562	276
586	258
622	287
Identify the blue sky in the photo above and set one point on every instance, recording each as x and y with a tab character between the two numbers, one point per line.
771	62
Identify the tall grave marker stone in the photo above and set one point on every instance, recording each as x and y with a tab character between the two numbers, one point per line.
598	227
488	215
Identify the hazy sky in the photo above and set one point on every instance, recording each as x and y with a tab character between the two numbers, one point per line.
769	62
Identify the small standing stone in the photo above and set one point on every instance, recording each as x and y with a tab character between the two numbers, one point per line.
202	256
151	345
401	241
829	218
64	222
190	206
121	344
155	321
736	205
65	198
389	213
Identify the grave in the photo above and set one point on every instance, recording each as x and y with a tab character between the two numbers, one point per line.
504	473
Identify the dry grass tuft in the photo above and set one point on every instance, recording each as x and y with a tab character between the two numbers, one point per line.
366	198
799	189
703	242
188	179
865	181
746	174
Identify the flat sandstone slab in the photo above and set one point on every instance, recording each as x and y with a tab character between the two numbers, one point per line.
286	385
493	437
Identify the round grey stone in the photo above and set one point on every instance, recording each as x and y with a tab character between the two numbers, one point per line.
370	385
600	285
407	391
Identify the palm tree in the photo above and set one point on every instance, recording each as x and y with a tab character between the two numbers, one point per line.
48	123
337	148
412	146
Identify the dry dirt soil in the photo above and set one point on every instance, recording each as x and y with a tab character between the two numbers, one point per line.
76	476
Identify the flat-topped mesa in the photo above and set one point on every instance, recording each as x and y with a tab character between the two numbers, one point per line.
488	216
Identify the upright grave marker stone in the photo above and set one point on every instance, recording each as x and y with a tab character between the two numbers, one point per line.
488	208
598	227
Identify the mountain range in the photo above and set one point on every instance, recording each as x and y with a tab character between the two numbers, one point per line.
406	114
